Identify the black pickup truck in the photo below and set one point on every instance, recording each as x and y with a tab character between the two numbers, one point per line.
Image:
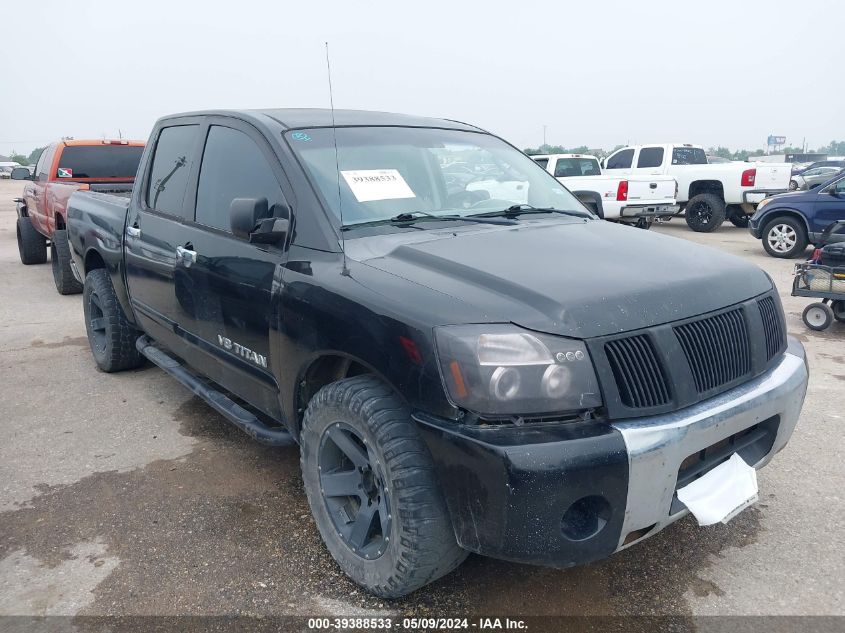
469	360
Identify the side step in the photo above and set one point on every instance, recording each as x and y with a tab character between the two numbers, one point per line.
220	402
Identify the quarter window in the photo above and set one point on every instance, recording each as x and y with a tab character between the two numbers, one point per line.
621	159
233	166
171	165
650	157
45	161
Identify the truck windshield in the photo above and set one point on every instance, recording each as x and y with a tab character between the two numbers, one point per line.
388	171
688	156
99	161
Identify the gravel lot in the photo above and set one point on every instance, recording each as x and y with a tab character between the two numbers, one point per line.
124	494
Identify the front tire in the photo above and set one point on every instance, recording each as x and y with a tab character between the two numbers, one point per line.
784	237
63	277
817	316
705	212
32	246
372	489
110	335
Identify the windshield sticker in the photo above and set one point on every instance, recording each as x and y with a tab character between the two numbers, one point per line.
300	136
65	172
377	184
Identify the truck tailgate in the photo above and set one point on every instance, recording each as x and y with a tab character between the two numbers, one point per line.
651	189
772	176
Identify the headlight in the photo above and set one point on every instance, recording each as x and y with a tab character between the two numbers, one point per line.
504	370
763	203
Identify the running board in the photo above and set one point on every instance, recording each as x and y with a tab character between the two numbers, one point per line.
217	400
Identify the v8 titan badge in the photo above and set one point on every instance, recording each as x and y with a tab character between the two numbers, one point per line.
65	172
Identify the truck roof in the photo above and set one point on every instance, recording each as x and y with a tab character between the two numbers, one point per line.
564	156
101	141
292	118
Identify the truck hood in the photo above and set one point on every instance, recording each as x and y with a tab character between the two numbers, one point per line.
569	277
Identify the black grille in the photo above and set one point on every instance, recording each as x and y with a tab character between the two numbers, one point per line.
716	349
772	326
638	372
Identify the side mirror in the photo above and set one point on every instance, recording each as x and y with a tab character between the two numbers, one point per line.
251	219
21	173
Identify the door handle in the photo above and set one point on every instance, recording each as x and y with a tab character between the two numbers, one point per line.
186	255
133	231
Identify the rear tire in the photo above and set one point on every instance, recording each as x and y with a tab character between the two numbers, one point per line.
705	212
66	283
360	428
817	316
784	237
32	246
111	337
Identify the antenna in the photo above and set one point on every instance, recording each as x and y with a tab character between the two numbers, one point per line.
345	270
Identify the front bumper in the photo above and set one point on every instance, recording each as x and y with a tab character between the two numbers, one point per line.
564	494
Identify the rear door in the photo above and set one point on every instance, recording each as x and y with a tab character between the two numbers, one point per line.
156	226
228	281
649	160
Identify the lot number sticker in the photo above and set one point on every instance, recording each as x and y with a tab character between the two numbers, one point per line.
65	172
377	184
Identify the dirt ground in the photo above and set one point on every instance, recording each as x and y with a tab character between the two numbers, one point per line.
124	494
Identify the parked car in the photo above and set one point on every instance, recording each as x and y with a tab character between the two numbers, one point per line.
461	372
6	168
812	177
62	168
835	162
637	200
788	223
708	194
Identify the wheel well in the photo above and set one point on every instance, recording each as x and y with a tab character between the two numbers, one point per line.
322	371
590	198
93	261
785	213
707	186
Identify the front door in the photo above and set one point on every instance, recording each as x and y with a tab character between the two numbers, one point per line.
229	281
830	207
35	192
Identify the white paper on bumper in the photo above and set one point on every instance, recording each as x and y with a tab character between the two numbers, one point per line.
722	493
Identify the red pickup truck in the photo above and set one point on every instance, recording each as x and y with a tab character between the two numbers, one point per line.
64	167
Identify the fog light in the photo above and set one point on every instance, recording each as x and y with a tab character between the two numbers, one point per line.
585	518
504	383
556	381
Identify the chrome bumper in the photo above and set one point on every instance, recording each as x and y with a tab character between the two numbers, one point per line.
648	210
657	445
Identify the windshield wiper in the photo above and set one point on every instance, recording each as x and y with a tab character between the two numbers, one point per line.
416	216
524	209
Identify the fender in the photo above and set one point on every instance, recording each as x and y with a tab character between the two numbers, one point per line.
593	198
767	213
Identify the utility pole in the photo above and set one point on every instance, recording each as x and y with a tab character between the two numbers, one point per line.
544	136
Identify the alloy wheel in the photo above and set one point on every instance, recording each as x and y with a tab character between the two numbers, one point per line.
782	238
354	490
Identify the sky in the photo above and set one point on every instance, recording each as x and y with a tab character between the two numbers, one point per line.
593	72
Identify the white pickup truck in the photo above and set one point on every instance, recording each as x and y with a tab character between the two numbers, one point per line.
635	200
708	193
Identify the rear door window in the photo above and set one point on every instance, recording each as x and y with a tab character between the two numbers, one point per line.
45	161
650	157
170	169
621	159
688	156
233	166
